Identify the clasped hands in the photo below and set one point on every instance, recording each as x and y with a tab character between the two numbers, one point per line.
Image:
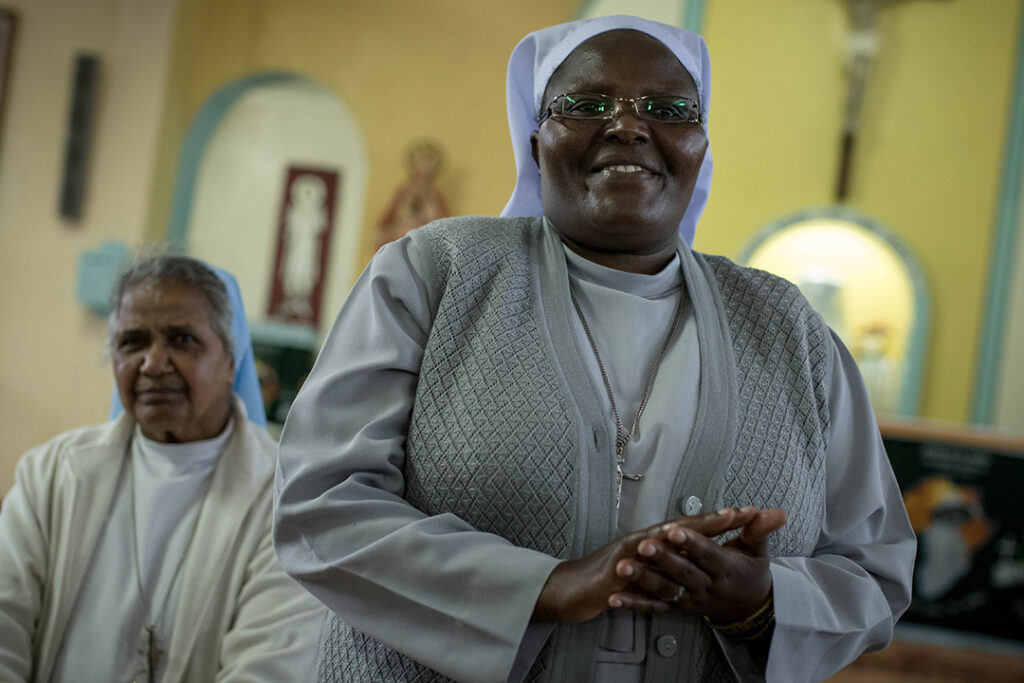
673	565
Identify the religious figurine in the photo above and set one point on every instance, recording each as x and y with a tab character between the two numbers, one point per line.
417	201
305	221
878	367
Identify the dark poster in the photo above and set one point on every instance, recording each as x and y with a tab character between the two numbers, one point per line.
964	503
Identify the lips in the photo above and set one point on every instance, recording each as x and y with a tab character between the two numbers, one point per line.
158	393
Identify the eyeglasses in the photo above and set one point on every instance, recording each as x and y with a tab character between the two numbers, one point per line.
653	108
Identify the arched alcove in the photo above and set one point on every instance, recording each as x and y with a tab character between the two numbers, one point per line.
253	148
868	287
247	136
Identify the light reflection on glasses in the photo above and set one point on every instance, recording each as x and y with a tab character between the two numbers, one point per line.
594	107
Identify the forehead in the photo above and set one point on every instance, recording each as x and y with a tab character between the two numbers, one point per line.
623	60
162	305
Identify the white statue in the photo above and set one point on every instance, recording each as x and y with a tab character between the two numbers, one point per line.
305	222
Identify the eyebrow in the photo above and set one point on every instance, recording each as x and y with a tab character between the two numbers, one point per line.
164	329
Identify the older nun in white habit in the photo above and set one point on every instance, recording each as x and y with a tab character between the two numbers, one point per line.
562	446
139	549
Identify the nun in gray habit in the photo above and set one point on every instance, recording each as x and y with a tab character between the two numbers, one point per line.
560	445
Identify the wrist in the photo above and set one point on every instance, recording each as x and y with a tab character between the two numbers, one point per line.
751	627
548	606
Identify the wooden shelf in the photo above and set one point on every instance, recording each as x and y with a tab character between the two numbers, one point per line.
971	436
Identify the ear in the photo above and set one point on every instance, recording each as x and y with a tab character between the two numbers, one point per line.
231	366
533	147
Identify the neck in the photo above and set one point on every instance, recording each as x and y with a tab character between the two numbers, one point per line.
208	428
645	264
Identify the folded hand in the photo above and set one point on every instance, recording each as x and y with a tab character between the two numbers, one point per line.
643	571
684	568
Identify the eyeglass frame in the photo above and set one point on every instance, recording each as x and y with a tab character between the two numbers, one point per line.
549	111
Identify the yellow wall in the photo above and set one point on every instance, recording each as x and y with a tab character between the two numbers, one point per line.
53	375
405	69
160	60
928	163
929	157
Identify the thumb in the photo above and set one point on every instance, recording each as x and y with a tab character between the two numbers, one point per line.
754	535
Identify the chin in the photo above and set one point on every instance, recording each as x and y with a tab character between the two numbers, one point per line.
636	209
633	231
158	421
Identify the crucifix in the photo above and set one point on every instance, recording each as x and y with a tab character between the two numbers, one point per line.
620	474
152	653
861	48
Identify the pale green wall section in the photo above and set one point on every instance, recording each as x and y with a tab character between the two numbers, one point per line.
1008	393
927	163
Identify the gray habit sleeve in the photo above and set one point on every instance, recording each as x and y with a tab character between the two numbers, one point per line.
848	595
434	588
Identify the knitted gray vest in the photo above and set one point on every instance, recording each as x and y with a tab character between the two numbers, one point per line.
494	440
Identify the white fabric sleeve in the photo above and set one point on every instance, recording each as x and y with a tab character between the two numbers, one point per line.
846	598
453	598
275	627
23	564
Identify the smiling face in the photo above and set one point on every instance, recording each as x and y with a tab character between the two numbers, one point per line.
616	189
173	373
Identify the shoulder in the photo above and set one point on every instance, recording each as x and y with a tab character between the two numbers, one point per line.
476	225
261	442
752	292
76	442
475	232
735	280
764	310
81	437
255	447
472	247
45	470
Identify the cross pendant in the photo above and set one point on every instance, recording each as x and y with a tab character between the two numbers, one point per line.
620	475
152	652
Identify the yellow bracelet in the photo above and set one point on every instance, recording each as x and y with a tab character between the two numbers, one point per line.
749	628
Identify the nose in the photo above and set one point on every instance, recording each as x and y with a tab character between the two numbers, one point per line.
156	360
626	126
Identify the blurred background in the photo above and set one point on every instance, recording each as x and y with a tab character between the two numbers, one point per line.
869	150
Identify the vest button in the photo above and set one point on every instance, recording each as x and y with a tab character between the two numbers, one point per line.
667	646
691	505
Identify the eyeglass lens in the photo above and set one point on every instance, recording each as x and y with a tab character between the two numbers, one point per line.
661	108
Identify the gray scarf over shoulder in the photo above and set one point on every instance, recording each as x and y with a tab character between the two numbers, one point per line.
508	434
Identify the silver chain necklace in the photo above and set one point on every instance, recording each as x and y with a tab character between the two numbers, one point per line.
621	439
148	631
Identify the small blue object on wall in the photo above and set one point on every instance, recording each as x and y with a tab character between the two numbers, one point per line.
97	272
